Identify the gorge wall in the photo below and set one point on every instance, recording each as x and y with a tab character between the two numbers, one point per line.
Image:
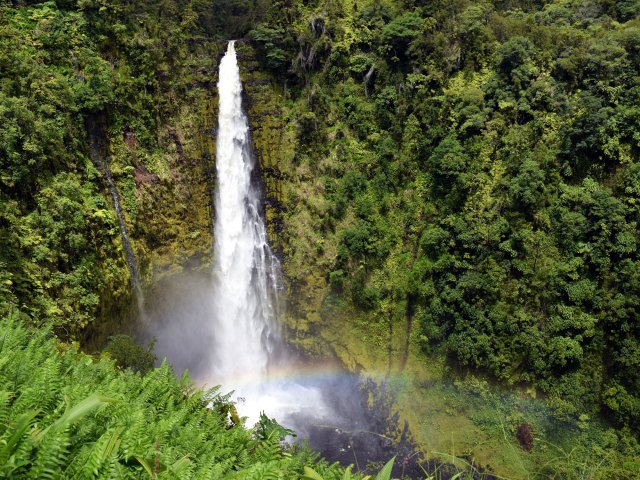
452	187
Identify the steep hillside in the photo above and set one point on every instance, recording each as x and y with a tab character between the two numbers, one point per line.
460	200
466	173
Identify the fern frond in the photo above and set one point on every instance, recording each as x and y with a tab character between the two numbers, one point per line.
267	451
16	433
5	409
101	453
51	456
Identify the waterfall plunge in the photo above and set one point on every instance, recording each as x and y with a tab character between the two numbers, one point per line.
246	274
228	336
245	270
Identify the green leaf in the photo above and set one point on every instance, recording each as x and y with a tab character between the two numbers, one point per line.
71	415
385	473
22	423
113	443
635	466
158	467
180	465
347	473
145	465
311	474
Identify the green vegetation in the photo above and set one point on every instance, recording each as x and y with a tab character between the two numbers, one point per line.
128	354
55	225
67	415
124	76
457	182
476	166
463	177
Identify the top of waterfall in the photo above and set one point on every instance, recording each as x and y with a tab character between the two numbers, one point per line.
231	47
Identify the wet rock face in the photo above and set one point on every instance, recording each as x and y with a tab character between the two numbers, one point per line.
129	138
173	134
272	147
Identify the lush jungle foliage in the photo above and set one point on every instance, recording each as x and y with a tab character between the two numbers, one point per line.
473	167
69	70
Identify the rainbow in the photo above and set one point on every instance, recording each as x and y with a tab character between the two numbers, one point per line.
286	390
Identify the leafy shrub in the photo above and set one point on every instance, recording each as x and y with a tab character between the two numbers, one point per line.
128	354
401	30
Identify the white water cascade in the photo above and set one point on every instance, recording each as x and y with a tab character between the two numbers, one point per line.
246	276
245	270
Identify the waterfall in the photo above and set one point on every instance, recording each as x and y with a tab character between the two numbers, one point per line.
126	243
246	277
245	270
226	333
98	144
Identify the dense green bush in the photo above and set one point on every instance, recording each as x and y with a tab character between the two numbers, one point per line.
128	354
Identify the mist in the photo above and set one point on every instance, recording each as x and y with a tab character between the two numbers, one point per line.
346	418
178	316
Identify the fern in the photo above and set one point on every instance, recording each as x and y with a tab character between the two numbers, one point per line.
261	471
51	454
152	426
5	409
267	452
101	453
13	436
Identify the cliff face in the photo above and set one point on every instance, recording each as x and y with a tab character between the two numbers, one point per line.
165	188
293	202
123	112
272	139
170	188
